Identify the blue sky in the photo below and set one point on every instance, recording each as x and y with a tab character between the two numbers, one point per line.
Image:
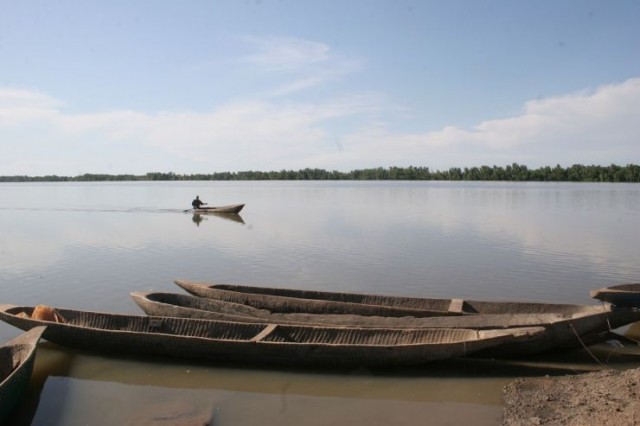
204	86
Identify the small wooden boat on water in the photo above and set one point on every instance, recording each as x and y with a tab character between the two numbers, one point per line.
233	208
623	295
586	326
16	366
261	343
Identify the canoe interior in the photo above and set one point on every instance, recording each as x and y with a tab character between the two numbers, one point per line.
17	358
179	305
232	331
203	304
562	331
8	362
253	343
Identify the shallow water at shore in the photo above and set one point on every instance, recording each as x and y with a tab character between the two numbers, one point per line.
86	246
70	387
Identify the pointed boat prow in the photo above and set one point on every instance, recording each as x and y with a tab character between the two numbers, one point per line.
622	296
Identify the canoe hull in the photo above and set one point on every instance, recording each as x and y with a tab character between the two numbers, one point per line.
233	208
561	332
17	358
259	343
624	295
293	300
285	304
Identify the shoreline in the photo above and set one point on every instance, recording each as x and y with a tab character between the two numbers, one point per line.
602	397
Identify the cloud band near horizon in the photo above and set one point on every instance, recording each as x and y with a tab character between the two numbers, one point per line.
40	136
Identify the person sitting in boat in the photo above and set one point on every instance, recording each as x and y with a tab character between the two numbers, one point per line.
197	203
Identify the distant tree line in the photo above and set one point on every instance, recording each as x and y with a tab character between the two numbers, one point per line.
513	172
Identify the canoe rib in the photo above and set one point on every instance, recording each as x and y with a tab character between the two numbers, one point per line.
285	344
264	333
17	358
456	306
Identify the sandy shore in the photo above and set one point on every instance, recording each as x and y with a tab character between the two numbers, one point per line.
598	398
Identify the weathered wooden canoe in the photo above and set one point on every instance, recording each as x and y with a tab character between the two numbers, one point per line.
587	326
287	304
261	343
321	302
17	357
233	208
623	295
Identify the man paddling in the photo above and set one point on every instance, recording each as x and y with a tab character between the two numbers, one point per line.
197	203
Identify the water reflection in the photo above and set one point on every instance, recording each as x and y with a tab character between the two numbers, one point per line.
199	217
432	239
119	404
73	386
86	246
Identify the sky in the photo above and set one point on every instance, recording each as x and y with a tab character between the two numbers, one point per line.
130	87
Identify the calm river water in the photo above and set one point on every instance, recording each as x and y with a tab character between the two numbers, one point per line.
88	245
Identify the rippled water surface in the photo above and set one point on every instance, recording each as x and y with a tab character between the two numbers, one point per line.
87	245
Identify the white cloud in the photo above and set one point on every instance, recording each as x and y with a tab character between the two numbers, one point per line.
591	127
238	136
23	98
19	106
285	53
297	85
258	135
304	63
595	127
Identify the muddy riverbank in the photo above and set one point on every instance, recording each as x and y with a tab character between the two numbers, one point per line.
597	398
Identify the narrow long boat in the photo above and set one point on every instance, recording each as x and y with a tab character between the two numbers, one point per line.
233	208
623	295
586	326
17	357
261	343
309	301
288	304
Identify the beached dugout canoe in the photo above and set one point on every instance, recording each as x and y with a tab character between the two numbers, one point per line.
310	301
233	208
286	304
587	326
623	295
17	357
261	343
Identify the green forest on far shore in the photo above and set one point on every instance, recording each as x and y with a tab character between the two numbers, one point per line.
513	172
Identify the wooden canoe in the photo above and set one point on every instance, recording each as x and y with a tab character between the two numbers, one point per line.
17	357
563	331
623	295
319	302
233	208
261	343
